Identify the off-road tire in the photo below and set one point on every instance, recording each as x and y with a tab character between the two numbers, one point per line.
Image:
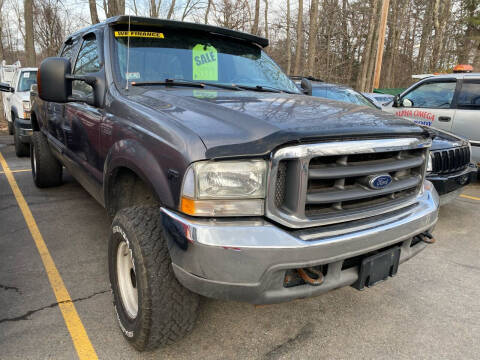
46	169
166	310
21	149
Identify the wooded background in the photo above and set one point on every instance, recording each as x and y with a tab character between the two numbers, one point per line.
335	40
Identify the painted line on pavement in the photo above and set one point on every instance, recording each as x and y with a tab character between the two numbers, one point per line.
82	343
16	171
470	197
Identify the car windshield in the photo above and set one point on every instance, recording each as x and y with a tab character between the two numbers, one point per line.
27	79
156	56
342	94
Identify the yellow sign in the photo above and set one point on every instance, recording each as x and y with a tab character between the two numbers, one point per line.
142	34
205	62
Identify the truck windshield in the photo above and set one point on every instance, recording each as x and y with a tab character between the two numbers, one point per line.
27	79
156	56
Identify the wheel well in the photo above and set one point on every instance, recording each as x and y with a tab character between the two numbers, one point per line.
35	126
127	189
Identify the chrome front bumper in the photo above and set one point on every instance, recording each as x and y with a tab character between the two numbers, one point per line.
246	259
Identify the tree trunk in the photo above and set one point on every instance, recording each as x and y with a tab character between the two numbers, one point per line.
298	51
153	9
170	11
207	12
289	45
266	19
93	11
367	52
425	38
312	38
29	40
256	18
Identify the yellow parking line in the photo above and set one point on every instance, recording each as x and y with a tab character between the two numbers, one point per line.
16	171
82	343
470	197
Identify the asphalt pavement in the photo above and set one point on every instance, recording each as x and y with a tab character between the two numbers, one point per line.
430	310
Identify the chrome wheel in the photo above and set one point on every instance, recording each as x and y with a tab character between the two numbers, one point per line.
127	280
34	161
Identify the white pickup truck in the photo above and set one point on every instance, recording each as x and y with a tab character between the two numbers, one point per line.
17	108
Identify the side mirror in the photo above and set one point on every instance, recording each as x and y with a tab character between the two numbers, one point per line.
52	80
396	101
6	88
306	86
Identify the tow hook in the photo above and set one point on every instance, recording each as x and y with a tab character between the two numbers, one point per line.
311	276
426	237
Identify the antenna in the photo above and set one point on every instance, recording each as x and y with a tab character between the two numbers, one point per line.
128	51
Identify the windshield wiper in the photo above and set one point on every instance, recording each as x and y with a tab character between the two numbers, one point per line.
264	88
169	82
181	82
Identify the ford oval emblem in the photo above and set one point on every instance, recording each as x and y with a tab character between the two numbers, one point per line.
378	182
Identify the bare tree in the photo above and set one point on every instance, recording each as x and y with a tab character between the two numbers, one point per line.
298	49
171	9
29	40
289	45
312	37
93	11
207	11
256	18
266	18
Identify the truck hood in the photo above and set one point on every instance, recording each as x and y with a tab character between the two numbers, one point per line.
444	140
233	123
23	95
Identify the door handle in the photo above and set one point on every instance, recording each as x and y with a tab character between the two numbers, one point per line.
444	118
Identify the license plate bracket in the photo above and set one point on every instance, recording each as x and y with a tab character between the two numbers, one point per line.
377	268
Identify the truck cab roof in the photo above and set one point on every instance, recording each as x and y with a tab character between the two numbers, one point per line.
173	24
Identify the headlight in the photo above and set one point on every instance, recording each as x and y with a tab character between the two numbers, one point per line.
26	105
224	188
429	164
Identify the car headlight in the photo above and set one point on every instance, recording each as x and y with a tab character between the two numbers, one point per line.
26	105
224	188
429	164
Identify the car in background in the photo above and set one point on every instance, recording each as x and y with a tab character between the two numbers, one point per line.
449	102
17	108
449	167
379	99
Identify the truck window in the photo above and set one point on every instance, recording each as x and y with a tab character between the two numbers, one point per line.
87	62
26	80
469	95
435	95
67	51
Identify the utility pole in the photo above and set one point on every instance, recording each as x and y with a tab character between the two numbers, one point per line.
380	43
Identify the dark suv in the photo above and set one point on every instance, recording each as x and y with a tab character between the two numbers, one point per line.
221	178
449	165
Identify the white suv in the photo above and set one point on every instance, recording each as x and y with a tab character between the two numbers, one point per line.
17	108
447	102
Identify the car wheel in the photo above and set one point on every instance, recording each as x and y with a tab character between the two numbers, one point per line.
152	307
46	169
21	149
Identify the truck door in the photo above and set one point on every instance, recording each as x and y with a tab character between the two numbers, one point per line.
8	97
430	103
56	111
81	122
467	117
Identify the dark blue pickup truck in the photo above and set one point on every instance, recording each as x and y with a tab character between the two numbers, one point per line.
221	178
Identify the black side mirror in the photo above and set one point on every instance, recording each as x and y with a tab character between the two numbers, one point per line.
396	101
306	86
54	80
6	88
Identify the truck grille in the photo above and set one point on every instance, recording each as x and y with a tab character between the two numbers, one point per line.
319	184
450	161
